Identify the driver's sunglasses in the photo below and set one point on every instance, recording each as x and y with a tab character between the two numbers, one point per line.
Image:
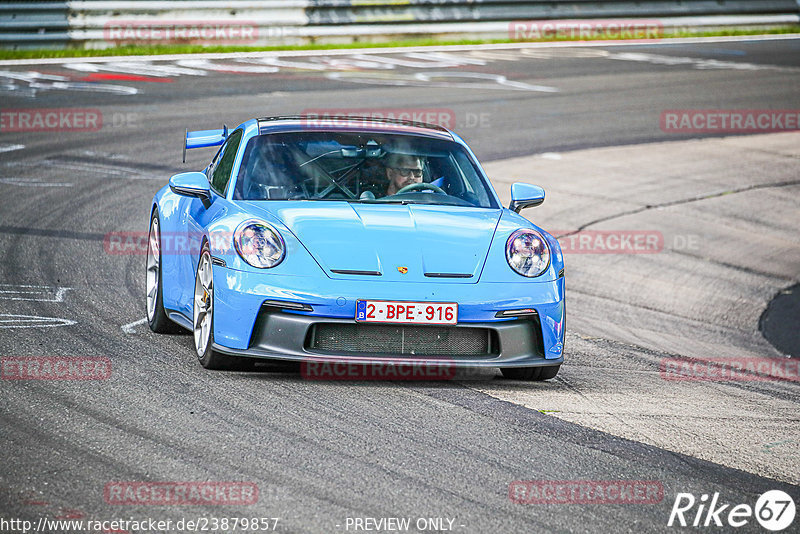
417	173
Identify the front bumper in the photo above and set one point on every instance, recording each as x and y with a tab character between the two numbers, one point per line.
243	326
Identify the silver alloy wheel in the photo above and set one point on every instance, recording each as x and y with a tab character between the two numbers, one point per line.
203	304
153	268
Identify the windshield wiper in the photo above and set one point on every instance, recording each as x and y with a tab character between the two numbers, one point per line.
378	201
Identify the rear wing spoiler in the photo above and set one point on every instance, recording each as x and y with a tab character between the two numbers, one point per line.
203	139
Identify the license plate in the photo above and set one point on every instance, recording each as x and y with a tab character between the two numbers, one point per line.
392	311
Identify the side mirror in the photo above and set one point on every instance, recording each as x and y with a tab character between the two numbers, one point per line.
191	184
525	196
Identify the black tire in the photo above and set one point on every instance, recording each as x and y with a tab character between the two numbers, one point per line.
209	358
531	373
159	322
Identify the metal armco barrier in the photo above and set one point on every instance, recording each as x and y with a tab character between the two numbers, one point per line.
34	25
91	23
422	11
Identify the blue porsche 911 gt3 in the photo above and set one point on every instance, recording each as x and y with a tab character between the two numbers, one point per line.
353	240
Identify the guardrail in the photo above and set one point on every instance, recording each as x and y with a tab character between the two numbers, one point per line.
34	24
102	23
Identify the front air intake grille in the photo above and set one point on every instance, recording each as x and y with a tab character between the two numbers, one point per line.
402	340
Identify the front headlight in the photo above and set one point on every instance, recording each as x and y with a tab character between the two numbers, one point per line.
527	252
259	244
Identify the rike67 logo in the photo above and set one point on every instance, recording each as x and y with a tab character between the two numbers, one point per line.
774	510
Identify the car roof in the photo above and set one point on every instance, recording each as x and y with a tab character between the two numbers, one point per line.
338	123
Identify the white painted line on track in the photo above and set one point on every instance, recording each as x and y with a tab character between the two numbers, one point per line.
33	182
278	63
238	68
419	61
498	79
137	68
103	169
443	56
33	293
697	63
131	327
401	50
550	155
10	148
48	82
31	321
447	80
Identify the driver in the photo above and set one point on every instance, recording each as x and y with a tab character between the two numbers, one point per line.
402	170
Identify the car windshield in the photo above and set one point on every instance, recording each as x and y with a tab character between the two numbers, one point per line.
360	167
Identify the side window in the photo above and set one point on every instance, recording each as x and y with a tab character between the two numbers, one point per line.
210	170
221	172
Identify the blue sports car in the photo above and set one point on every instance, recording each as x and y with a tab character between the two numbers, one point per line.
353	240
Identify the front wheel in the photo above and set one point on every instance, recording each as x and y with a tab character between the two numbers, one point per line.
531	373
203	318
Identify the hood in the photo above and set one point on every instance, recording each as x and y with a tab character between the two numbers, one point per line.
434	243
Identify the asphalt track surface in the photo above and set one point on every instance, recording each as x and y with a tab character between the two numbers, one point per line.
320	452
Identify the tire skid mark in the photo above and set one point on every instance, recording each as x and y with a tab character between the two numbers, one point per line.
680	202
